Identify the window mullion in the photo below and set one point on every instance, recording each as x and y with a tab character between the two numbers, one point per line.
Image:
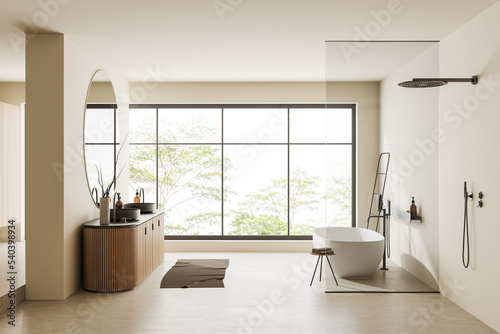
157	160
288	171
222	171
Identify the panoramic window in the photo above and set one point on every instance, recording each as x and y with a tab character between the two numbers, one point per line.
239	171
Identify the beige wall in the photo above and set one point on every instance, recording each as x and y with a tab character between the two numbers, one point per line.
470	119
58	201
227	92
408	119
12	92
302	246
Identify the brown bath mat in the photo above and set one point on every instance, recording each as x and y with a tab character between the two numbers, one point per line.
196	273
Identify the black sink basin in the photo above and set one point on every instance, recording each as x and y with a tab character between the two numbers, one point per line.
129	214
144	207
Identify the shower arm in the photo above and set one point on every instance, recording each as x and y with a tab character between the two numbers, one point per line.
472	80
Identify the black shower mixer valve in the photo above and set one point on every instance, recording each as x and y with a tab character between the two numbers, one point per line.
480	201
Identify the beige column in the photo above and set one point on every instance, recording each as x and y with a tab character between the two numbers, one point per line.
44	150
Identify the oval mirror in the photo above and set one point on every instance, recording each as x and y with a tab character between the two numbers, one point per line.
101	136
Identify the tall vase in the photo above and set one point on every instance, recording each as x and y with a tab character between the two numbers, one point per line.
104	211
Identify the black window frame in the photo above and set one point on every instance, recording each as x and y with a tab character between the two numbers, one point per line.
353	144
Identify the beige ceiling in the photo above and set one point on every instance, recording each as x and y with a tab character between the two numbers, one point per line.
222	40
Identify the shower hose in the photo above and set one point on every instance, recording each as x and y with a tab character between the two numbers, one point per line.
388	237
465	235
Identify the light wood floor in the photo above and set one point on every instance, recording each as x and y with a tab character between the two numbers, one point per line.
264	293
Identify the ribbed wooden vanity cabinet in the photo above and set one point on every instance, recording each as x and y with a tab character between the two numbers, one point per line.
118	257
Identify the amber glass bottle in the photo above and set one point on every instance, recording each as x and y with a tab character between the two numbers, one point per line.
119	203
413	209
137	199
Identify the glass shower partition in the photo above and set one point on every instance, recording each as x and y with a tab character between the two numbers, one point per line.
361	81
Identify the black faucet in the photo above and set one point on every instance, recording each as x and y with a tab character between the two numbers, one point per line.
141	191
114	207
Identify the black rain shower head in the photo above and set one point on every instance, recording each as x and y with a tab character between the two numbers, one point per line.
429	83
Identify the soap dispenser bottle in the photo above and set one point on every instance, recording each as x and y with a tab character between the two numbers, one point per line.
137	199
413	209
119	203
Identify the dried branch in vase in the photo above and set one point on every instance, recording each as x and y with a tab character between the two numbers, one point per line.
105	191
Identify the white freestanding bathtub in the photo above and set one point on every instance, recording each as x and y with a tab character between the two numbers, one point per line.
359	250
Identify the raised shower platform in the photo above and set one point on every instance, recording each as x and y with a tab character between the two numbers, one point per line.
394	280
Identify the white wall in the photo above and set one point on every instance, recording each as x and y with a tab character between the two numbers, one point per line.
10	170
470	119
79	66
408	119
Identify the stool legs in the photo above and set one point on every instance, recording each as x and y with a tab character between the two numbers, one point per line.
314	273
332	271
320	257
320	268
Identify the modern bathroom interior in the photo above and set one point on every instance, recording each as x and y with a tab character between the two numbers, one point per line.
340	189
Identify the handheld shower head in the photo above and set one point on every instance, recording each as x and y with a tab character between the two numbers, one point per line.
467	194
435	82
